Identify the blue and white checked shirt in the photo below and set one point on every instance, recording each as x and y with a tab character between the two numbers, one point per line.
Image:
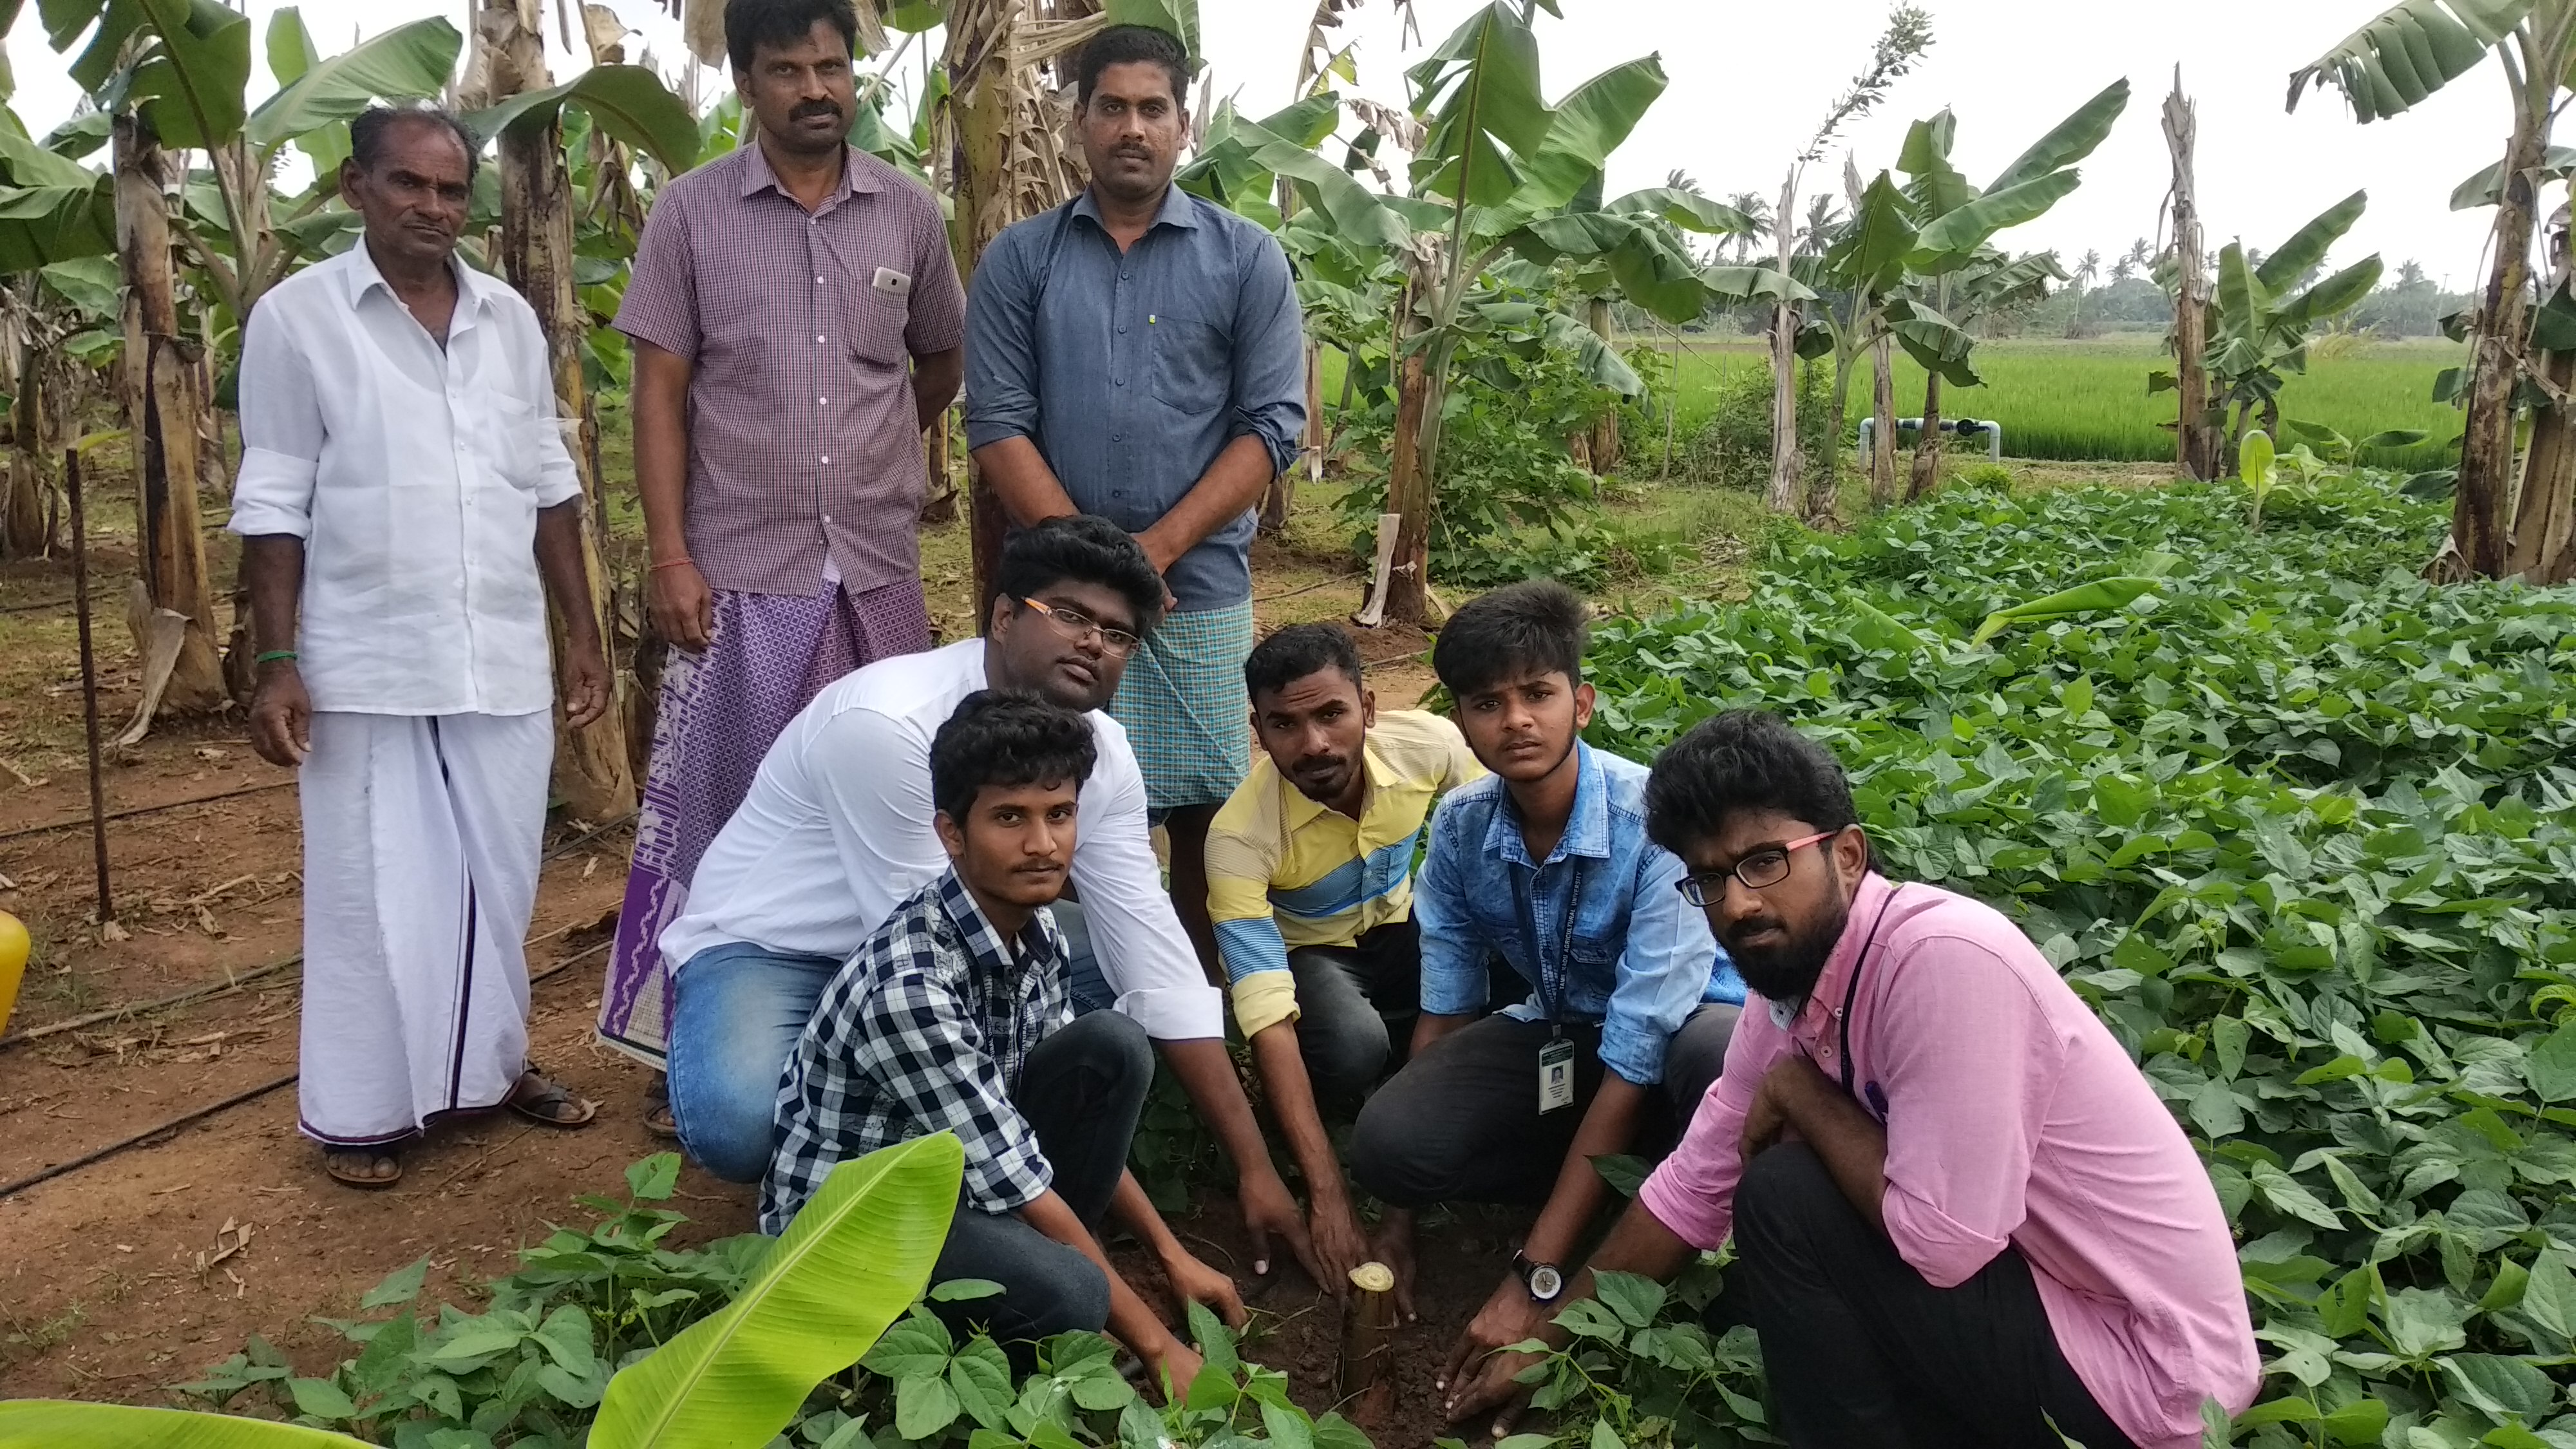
1596	927
926	1029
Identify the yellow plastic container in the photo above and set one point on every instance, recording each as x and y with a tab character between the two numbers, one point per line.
13	963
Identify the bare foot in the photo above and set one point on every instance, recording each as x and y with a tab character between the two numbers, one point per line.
369	1167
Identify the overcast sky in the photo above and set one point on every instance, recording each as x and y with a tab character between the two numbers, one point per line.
1751	81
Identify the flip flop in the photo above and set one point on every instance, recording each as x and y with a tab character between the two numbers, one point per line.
658	1120
335	1166
548	1104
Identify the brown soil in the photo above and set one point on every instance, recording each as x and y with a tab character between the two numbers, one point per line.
137	1271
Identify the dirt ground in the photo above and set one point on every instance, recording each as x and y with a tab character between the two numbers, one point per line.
136	1271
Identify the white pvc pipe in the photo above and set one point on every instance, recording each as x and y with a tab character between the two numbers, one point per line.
1994	432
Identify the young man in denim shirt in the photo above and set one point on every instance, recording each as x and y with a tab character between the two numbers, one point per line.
1544	864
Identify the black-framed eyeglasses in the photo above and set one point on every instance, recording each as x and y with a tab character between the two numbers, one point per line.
1079	627
1760	870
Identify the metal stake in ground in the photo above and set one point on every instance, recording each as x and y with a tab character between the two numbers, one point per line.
89	682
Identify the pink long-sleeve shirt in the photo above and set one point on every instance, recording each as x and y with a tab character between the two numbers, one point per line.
2013	1119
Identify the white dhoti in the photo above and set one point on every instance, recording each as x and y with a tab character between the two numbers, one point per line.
422	836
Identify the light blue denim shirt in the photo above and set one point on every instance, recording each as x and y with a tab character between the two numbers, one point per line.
1627	951
1131	371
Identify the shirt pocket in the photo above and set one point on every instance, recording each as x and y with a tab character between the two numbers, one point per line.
512	441
877	331
1192	365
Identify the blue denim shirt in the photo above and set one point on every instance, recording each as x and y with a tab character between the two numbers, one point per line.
1628	952
1132	371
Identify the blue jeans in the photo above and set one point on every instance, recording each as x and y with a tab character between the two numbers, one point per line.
736	1013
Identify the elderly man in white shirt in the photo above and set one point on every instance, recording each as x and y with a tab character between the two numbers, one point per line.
836	832
403	487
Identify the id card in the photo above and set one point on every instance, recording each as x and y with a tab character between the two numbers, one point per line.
1555	1075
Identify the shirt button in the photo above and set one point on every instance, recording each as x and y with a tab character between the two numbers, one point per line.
827	459
818	339
823	402
1122	382
1122	276
1122	326
1117	437
827	518
818	281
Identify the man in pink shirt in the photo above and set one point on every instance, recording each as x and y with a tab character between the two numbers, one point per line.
1960	1213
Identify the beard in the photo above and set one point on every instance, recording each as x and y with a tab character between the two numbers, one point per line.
1785	969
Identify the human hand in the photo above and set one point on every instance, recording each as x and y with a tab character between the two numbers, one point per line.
1173	1368
1394	1247
585	686
281	715
1193	1281
1768	1115
1340	1245
1268	1211
1495	1387
684	611
1508	1317
1162	556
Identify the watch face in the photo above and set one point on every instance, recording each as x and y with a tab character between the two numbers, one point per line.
1545	1282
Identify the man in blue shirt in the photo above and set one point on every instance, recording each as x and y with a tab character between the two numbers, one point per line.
1544	865
1137	353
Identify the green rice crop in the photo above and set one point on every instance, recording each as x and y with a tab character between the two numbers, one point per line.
2080	401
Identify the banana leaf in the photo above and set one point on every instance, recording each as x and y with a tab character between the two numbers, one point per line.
2308	245
854	1260
2070	140
1480	103
2409	51
628	102
2090	598
56	1424
405	63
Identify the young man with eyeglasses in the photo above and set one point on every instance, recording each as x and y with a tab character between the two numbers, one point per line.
1543	865
837	830
1961	1215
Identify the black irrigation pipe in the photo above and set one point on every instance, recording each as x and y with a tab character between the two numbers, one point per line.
77	821
12	1189
39	604
230	983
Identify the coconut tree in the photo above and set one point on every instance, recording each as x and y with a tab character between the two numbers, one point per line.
2402	55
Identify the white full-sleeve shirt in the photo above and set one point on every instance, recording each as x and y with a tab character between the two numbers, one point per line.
836	833
413	473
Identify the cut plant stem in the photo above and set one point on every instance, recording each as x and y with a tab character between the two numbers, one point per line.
1368	1345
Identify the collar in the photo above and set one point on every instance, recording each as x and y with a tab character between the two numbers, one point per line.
363	276
1179	209
1299	810
855	177
1587	829
983	940
1826	996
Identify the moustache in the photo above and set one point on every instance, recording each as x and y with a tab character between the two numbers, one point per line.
814	108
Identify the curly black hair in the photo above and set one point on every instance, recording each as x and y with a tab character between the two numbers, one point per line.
1086	549
1744	759
1003	737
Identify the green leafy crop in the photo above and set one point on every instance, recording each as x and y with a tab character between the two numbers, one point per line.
2300	826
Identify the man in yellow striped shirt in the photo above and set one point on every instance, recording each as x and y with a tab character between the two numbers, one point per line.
1310	887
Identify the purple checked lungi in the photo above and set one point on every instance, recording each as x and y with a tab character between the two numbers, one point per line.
767	658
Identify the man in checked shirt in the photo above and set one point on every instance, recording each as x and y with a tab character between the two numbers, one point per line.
954	1016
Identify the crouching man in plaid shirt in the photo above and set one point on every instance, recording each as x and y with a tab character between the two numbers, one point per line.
954	1016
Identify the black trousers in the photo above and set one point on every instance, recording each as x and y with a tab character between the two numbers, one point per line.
1863	1354
1080	1091
1461	1122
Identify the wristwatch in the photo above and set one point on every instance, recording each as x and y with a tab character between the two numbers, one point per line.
1545	1281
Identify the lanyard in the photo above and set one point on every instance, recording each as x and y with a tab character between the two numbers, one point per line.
1851	988
1551	984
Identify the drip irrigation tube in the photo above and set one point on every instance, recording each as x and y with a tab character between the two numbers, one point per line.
9	1190
229	983
77	821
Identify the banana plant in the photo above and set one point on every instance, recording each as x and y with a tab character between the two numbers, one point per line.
2405	54
1916	261
2261	316
851	1263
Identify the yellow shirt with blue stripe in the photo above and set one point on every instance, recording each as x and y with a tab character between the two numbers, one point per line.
1285	872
